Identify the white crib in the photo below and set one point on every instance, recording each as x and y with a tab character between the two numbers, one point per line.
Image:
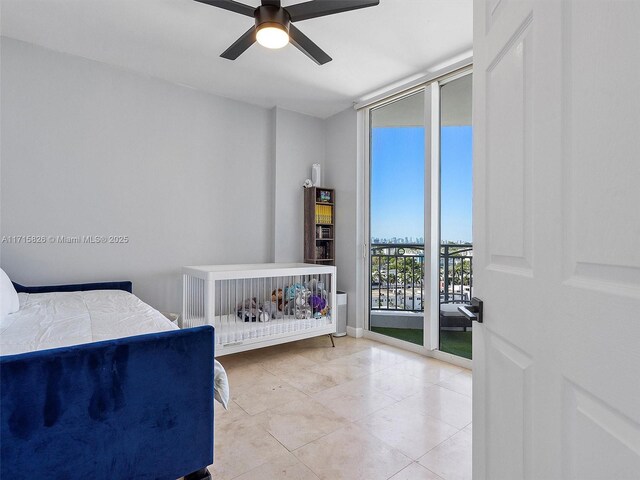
258	305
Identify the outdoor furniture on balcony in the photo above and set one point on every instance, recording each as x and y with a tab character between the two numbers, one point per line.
450	316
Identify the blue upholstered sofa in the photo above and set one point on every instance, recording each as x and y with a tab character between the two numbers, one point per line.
133	408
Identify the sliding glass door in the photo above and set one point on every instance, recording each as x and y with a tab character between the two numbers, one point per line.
397	173
420	253
456	247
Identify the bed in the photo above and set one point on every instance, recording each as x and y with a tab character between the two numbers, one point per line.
97	384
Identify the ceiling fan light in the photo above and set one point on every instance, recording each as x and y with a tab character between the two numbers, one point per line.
272	35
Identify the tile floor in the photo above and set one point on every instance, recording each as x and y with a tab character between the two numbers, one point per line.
361	410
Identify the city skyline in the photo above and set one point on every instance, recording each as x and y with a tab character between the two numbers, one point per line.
406	240
410	240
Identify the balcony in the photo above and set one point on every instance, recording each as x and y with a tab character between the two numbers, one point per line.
397	293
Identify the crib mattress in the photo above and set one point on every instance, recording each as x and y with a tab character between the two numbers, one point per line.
229	330
61	319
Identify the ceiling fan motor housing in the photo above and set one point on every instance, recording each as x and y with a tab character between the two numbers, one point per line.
270	16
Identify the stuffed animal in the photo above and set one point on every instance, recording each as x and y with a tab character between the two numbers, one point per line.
317	287
251	311
290	308
277	296
271	309
304	312
298	306
248	310
298	311
317	303
302	297
292	290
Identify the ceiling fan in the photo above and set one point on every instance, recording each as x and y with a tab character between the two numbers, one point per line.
274	24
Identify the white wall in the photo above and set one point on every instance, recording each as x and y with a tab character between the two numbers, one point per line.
340	172
299	143
188	177
88	149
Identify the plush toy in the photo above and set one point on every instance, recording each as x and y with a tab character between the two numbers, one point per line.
298	306
248	310
290	308
277	296
292	290
298	311
302	297
271	309
304	312
317	287
317	303
251	311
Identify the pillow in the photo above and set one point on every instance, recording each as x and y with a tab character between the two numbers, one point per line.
221	384
9	301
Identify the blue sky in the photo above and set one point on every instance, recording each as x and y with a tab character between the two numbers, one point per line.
397	182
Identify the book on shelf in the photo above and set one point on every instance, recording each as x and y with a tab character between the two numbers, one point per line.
324	214
323	232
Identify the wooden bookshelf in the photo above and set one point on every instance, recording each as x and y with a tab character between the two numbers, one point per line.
319	225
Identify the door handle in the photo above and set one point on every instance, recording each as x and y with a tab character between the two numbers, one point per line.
474	311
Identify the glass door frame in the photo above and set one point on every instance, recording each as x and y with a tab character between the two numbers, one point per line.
431	300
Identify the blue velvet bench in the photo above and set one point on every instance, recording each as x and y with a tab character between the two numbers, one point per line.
133	408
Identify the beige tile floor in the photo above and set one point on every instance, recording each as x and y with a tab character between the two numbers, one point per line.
361	410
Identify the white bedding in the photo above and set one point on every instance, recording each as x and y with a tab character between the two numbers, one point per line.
51	320
62	319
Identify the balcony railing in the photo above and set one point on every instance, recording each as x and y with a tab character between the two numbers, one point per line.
397	275
456	272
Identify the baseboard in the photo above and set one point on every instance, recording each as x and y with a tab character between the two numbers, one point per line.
355	332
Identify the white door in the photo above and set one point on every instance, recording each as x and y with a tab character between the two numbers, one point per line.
557	239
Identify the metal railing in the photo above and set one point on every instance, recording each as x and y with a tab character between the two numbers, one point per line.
456	272
397	275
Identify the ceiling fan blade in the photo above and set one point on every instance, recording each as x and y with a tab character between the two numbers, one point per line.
271	3
306	46
320	8
232	6
240	45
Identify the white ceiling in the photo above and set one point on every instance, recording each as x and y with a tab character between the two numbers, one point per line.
180	41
